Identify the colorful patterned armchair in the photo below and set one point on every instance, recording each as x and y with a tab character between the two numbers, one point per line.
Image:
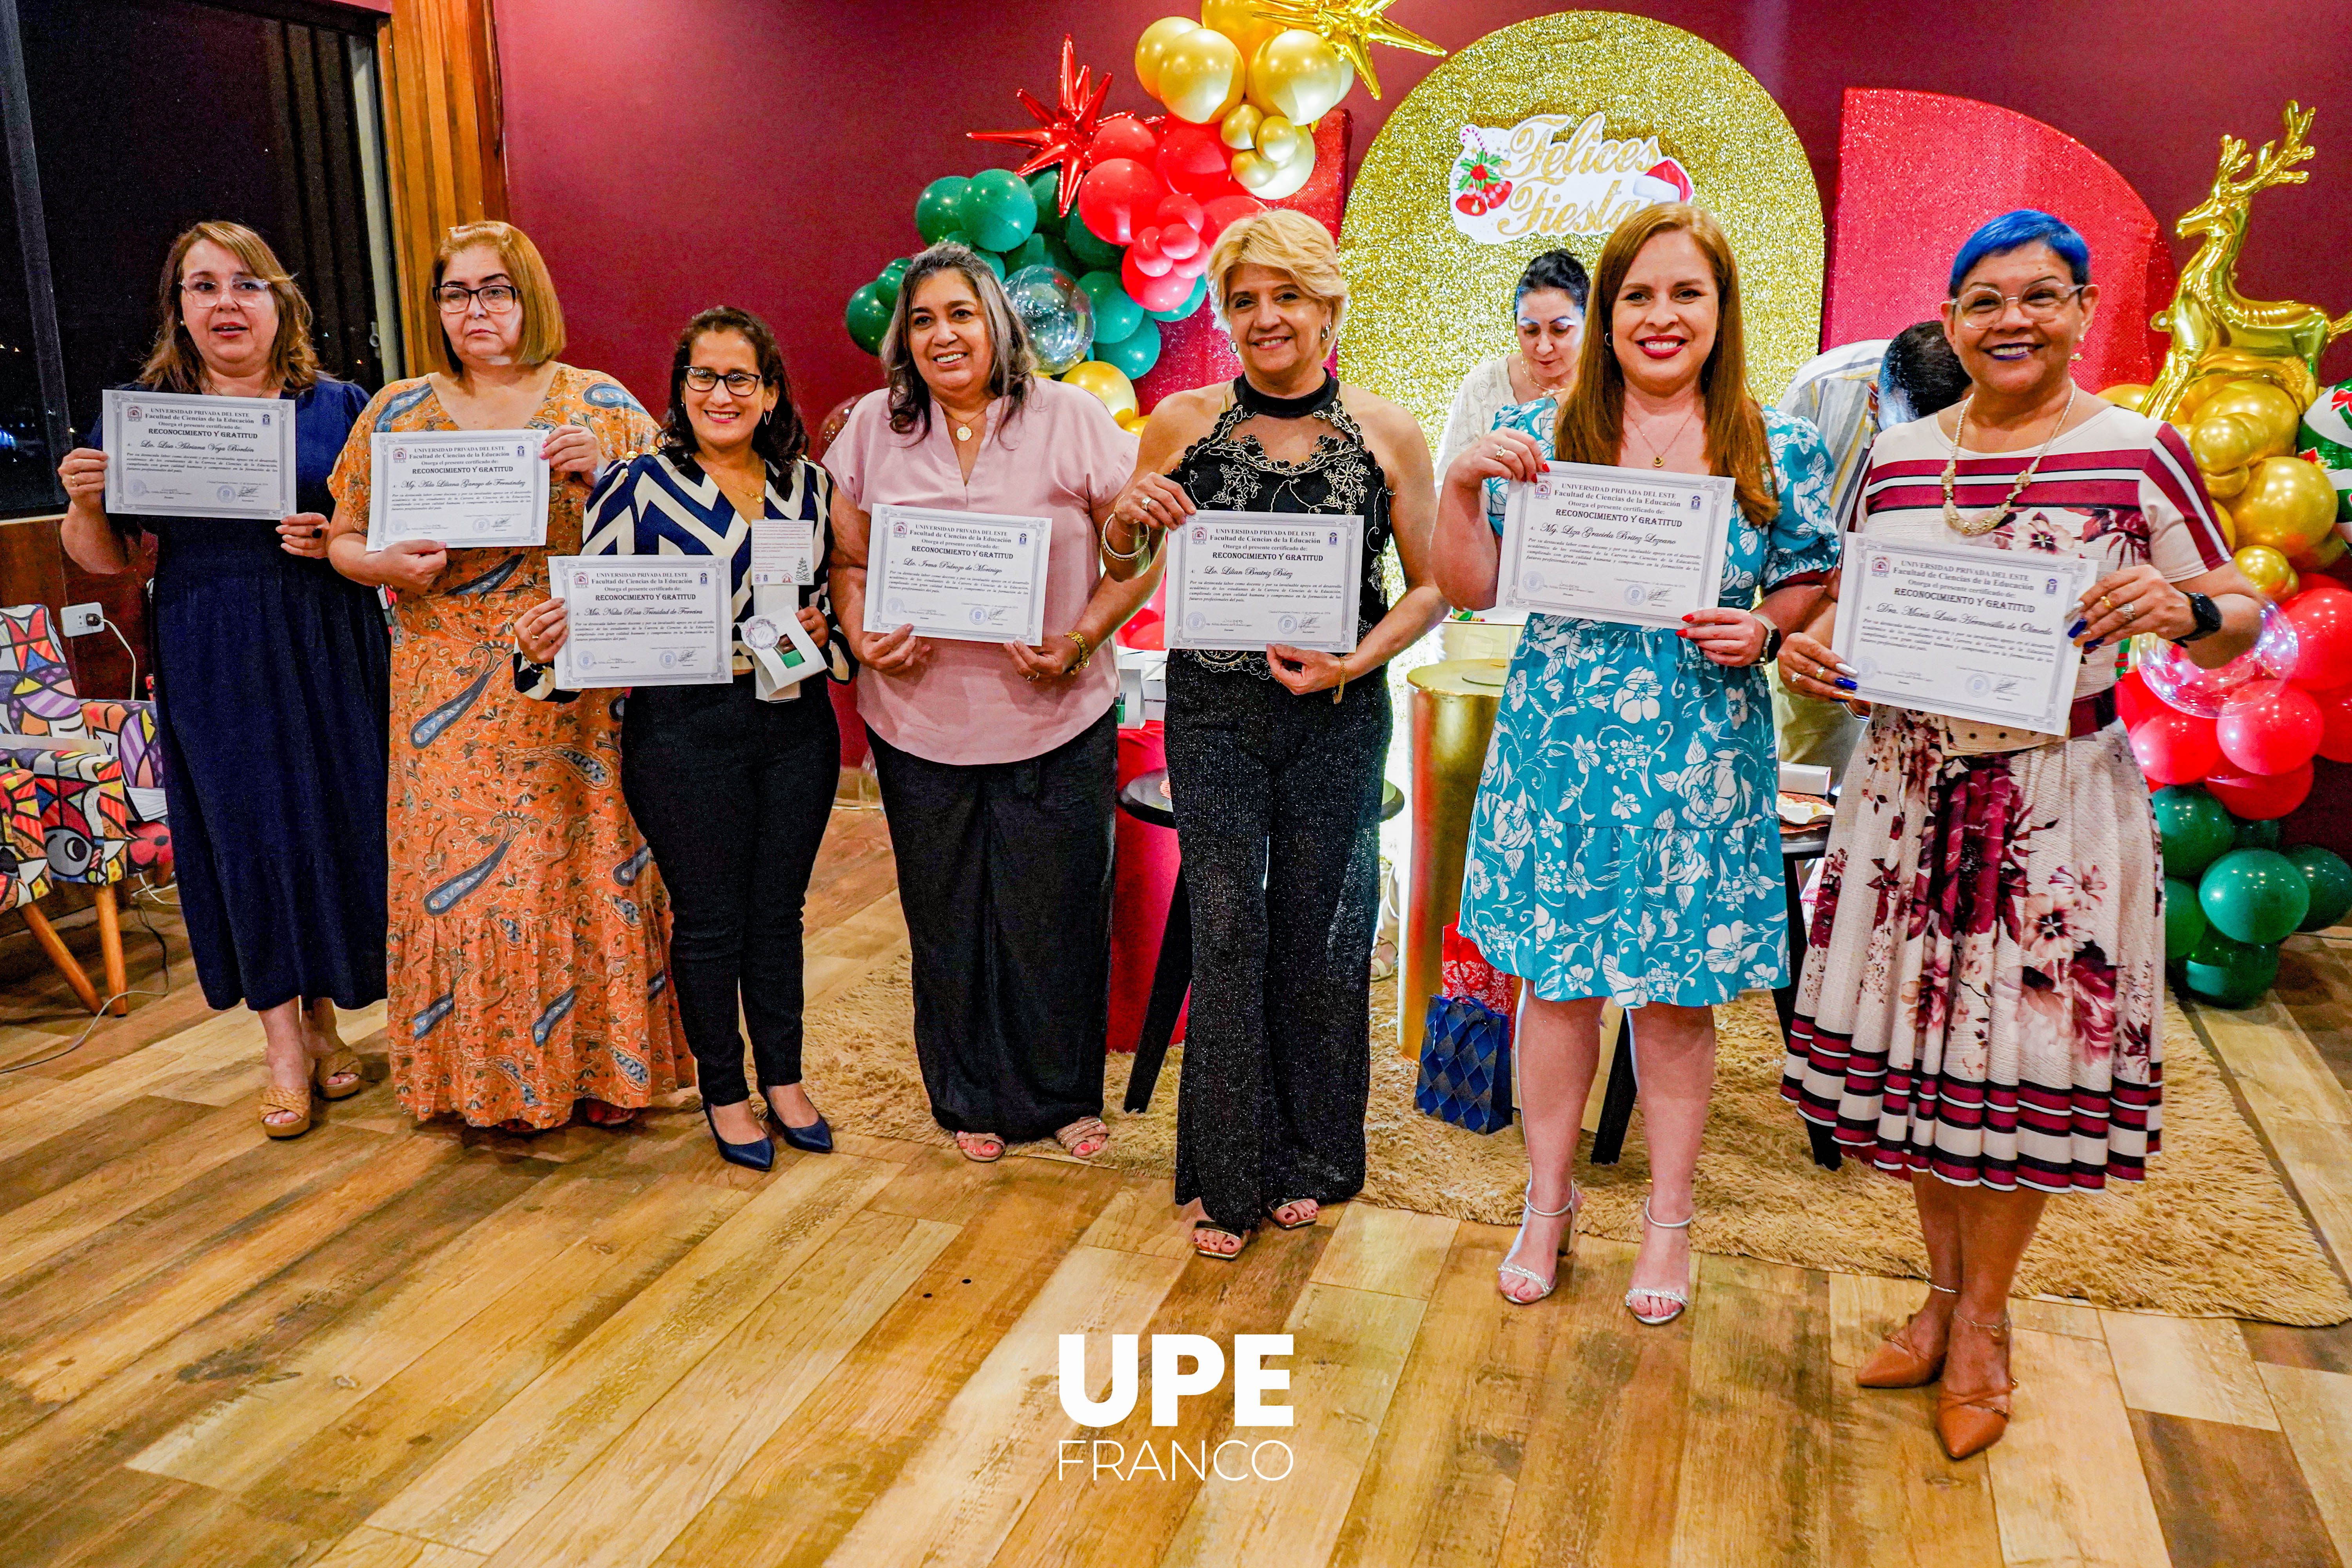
25	873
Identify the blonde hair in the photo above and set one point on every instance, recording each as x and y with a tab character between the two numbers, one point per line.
1287	242
174	365
543	316
1592	419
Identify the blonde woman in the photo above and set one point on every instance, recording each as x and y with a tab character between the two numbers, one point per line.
1274	759
525	951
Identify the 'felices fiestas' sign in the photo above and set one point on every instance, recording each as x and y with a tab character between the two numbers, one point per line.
1555	176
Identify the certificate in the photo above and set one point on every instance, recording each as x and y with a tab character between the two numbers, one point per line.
1615	544
179	455
1248	579
464	489
643	621
1969	634
966	576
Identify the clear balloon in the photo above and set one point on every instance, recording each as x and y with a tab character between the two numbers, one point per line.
2175	677
1059	316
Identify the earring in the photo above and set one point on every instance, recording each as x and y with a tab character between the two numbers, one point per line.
2071	357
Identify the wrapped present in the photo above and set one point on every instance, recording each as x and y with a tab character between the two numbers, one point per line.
1465	1066
1463	973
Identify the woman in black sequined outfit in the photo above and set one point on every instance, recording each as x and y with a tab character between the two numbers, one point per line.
1274	759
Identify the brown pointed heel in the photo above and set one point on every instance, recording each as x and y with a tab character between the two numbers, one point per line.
1899	1363
1969	1423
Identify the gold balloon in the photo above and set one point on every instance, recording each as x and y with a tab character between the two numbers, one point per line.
2290	375
2272	413
1153	44
2229	525
1133	424
1297	74
1106	382
1264	178
1239	129
2320	556
2227	483
1282	142
1201	76
2287	504
2192	397
2265	567
2223	441
1240	21
2127	393
2292	585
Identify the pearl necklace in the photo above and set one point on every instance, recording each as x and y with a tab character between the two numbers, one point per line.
2000	514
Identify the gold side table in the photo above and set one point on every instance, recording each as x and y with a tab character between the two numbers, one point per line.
1453	716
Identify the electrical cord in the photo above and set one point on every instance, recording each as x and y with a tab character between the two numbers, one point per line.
99	1017
108	623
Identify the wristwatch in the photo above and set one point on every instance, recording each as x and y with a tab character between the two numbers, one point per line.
2207	616
1773	638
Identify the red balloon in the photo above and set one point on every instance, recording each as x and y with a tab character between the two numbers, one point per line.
1163	292
1124	136
2175	748
2261	797
1117	197
2335	706
2269	727
1216	214
2134	700
2323	629
1194	159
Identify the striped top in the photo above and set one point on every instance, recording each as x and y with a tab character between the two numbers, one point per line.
2120	489
656	504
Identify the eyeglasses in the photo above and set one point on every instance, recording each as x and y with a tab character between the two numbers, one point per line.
207	291
742	382
498	299
1981	307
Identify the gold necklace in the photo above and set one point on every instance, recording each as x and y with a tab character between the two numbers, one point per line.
1657	457
964	429
2000	514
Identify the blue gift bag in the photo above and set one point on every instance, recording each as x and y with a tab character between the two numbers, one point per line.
1465	1066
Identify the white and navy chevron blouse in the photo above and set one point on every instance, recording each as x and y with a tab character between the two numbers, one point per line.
657	504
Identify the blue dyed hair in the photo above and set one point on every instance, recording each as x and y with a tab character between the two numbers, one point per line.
2013	230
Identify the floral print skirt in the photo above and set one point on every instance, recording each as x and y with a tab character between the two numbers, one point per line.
1983	993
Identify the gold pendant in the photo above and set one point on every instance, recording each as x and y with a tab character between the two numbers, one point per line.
963	432
1658	462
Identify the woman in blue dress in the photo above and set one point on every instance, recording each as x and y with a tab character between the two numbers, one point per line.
270	680
1625	845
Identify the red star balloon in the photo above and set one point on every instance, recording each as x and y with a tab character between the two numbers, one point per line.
1065	135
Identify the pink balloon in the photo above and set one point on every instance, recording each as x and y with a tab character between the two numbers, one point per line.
2323	625
1153	291
2269	728
2261	797
1118	195
2175	748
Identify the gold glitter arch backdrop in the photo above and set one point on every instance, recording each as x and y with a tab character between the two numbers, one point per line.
1427	301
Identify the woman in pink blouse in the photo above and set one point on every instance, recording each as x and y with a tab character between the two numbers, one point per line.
996	760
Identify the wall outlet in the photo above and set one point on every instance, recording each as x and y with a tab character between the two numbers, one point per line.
83	619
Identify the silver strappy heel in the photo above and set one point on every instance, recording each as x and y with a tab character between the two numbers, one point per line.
1528	1210
1681	1298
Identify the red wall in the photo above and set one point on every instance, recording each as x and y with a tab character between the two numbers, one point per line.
767	153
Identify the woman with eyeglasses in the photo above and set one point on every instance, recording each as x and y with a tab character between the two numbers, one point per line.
1981	1012
270	683
525	959
732	785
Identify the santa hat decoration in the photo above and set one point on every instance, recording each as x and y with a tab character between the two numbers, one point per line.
1671	172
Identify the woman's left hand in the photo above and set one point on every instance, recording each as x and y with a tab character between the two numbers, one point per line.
573	449
812	622
1055	658
2127	603
304	534
1303	671
1729	638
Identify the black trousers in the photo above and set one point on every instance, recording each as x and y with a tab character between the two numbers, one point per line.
733	795
1005	873
1277	804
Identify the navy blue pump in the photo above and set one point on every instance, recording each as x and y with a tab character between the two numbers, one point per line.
755	1156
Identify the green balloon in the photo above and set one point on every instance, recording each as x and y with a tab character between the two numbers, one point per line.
2184	920
1116	315
1191	303
1041	249
867	318
1045	190
2254	895
999	209
941	208
2331	885
1090	251
2195	827
996	263
2233	974
2255	836
958	237
1133	354
892	276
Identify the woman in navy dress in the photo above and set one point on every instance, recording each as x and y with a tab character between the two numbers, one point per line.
270	680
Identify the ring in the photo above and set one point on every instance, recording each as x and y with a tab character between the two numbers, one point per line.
2106	601
2129	613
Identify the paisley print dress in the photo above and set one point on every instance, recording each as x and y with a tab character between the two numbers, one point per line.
1625	842
524	958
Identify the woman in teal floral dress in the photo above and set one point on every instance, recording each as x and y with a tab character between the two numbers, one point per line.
1624	845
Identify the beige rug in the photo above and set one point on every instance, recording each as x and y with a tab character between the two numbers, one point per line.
2213	1233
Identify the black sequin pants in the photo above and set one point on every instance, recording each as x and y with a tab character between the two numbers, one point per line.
1277	803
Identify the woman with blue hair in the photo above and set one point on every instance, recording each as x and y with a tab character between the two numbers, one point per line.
1981	1009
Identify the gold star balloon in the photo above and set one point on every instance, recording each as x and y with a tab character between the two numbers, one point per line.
1350	26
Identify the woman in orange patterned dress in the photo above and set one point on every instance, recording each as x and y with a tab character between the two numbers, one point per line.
525	951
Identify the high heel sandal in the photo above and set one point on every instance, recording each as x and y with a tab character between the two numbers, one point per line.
1528	1210
1899	1363
341	1059
1275	1213
1681	1298
1971	1423
1206	1228
295	1101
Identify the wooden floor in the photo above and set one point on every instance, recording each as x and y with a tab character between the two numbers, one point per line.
391	1347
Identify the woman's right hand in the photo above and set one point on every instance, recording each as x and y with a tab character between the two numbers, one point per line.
1810	669
897	653
83	473
539	631
411	564
1497	454
1151	501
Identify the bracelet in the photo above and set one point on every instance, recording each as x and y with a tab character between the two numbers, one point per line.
1085	652
1142	550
